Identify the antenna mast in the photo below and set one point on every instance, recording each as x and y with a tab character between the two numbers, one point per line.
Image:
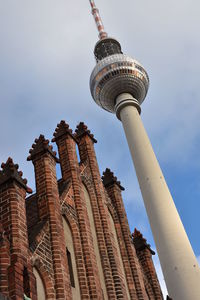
98	21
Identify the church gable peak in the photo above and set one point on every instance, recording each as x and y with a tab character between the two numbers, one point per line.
140	242
10	172
40	147
82	130
109	179
62	130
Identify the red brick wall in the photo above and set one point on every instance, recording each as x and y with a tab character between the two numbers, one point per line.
13	219
54	199
144	254
4	261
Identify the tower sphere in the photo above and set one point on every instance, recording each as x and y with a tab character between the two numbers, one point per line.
116	73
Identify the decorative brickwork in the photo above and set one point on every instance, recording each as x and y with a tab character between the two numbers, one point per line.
87	267
87	154
131	264
100	238
110	264
144	253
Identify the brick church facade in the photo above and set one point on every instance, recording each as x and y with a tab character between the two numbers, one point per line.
71	238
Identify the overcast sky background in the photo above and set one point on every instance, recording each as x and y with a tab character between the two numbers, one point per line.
46	58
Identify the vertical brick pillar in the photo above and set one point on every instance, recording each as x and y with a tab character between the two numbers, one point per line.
44	161
144	254
87	154
129	257
86	264
13	191
114	189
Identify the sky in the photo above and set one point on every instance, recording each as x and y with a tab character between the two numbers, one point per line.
46	58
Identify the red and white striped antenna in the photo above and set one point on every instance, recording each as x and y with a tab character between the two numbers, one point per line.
98	21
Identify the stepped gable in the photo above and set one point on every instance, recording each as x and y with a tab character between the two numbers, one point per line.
10	172
140	242
62	130
40	147
81	129
109	179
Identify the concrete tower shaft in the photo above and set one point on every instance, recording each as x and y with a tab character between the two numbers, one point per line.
179	264
119	84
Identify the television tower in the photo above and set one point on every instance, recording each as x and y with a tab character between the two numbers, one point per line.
119	85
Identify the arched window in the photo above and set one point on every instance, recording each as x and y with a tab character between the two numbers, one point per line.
71	261
39	285
71	272
26	284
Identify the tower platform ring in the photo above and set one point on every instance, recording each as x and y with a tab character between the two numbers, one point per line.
117	74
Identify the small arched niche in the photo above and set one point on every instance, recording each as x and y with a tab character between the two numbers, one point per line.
26	283
71	261
39	285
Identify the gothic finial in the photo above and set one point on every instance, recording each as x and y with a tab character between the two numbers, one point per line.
40	147
61	130
138	234
140	242
81	130
10	172
109	179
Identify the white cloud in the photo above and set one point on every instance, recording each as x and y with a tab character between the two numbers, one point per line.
45	62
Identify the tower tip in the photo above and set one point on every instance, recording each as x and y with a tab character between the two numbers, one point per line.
98	21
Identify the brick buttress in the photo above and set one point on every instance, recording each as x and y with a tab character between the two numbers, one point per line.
17	276
44	161
144	253
86	264
87	155
129	257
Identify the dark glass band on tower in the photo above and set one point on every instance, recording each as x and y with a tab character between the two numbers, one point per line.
106	47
